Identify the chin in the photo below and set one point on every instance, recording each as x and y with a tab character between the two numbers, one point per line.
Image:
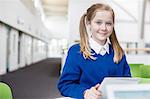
102	38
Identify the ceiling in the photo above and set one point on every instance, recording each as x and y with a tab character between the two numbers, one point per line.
55	7
48	7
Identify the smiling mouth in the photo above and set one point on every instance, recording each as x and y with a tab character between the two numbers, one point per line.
102	33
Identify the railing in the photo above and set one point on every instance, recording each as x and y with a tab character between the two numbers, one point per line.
137	49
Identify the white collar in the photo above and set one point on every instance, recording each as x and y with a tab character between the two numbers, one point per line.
97	47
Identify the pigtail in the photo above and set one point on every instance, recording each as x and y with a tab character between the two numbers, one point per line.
84	40
118	51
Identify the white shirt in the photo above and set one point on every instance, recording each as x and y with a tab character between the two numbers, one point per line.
99	49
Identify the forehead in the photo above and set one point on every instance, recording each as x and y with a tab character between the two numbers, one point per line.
103	15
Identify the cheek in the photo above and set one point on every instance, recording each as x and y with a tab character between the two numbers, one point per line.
110	29
94	27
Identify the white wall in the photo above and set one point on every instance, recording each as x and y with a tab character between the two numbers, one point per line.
15	14
18	28
22	51
58	26
127	23
147	21
13	50
3	48
28	49
139	59
39	50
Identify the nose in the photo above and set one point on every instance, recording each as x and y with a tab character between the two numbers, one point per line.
103	26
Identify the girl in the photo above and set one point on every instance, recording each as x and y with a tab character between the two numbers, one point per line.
98	55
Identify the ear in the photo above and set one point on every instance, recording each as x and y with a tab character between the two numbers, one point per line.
88	28
88	23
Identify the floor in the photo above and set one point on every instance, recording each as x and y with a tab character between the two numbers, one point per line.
37	81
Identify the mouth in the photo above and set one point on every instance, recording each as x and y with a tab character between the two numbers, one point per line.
102	33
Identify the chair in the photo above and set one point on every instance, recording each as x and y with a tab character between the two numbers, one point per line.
135	70
145	71
144	81
145	74
5	91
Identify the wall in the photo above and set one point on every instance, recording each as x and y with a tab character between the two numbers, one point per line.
58	26
147	22
3	48
23	36
127	18
15	14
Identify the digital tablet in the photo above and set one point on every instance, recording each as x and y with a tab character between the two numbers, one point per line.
116	80
128	91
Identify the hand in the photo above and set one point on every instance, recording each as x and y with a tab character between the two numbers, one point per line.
93	93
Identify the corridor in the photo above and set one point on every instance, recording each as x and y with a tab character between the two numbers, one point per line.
37	81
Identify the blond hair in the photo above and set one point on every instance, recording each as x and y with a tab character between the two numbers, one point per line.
84	40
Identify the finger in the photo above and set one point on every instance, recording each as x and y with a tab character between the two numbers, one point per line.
97	86
93	96
94	91
100	93
90	95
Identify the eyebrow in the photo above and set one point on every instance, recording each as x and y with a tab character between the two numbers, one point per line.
105	21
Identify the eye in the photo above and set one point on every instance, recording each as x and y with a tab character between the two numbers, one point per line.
109	23
99	22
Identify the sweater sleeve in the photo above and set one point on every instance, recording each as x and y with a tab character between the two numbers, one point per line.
126	71
69	84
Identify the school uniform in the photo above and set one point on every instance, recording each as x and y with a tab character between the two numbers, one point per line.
80	74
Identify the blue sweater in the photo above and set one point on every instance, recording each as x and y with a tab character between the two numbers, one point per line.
80	74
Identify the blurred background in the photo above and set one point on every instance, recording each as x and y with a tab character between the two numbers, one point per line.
35	36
